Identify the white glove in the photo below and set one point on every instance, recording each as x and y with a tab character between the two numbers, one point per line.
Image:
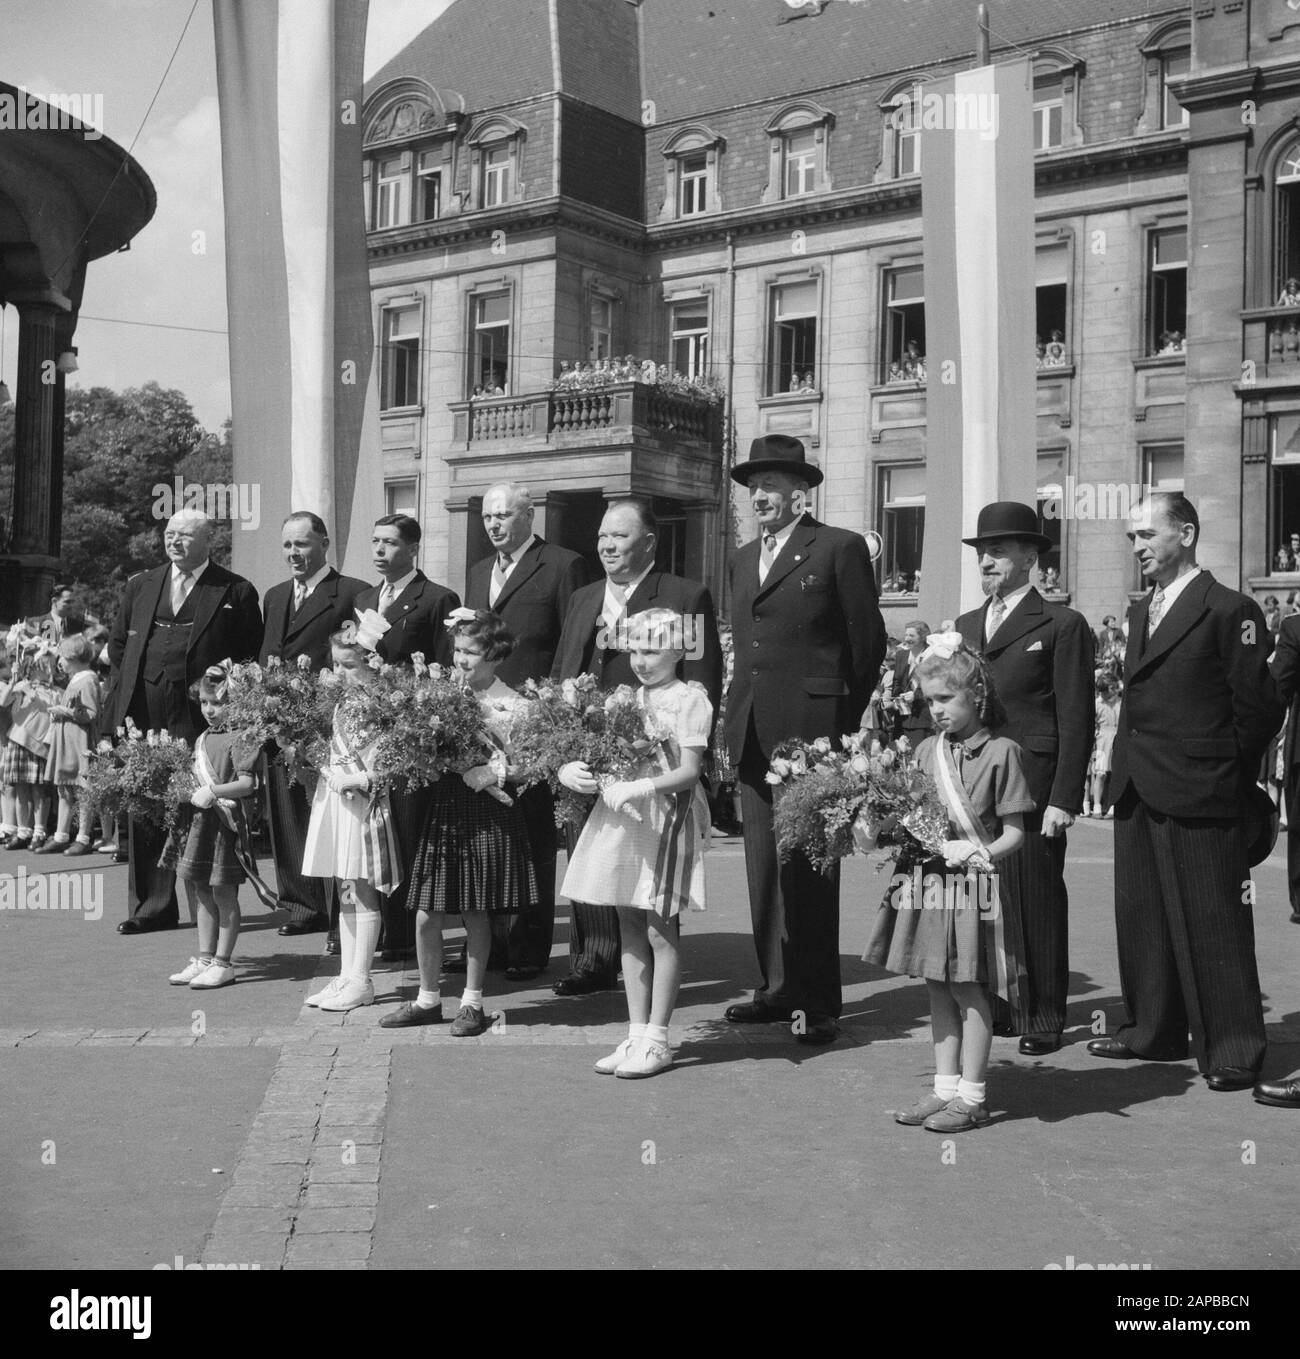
480	777
371	627
963	853
346	783
865	833
577	777
617	795
202	798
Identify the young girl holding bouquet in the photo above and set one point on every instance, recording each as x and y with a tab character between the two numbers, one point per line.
473	859
642	848
211	853
962	949
71	735
350	837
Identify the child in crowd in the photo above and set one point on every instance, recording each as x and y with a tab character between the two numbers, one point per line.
1109	693
28	698
215	848
73	728
473	858
350	837
963	950
642	849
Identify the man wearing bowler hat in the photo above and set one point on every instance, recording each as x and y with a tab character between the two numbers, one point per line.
808	641
1041	656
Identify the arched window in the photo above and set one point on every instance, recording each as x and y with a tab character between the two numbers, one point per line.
1167	53
1056	91
497	145
797	160
1286	225
692	161
900	153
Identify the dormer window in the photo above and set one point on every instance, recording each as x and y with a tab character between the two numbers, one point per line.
498	166
1173	66
497	146
391	192
692	159
409	141
797	159
900	152
1167	53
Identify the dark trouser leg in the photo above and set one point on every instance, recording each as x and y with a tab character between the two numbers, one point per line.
306	899
795	911
527	935
409	812
151	891
1293	836
595	946
1039	884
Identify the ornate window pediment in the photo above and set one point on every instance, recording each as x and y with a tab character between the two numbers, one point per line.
408	109
692	164
797	161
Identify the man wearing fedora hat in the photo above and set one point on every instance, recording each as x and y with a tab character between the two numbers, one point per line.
1041	656
1199	709
808	641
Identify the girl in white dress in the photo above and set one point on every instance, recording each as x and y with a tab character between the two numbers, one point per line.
350	837
642	849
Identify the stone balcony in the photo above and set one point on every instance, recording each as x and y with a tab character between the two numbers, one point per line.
628	438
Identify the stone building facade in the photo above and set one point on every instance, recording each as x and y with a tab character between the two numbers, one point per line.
732	191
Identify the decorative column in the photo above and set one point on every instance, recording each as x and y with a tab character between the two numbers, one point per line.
33	538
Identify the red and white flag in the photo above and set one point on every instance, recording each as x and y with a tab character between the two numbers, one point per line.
304	391
977	223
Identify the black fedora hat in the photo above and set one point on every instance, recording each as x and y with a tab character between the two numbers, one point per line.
777	453
1009	519
1261	825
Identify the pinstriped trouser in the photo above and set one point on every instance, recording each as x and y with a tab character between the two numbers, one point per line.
1186	938
305	898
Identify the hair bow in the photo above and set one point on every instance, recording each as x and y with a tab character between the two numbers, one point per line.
458	616
943	644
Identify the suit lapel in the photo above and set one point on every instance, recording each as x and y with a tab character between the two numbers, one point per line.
407	600
643	596
1028	615
526	566
791	555
211	592
316	603
151	595
976	625
1178	619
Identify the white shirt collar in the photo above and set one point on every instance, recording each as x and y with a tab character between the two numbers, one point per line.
1176	587
1013	597
613	606
399	585
313	581
194	575
514	557
782	535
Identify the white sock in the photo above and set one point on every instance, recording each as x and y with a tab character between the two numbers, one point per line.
6	828
657	1033
945	1087
368	926
971	1091
427	1000
59	837
347	940
83	839
474	998
635	1031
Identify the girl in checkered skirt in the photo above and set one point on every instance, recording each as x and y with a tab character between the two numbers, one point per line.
28	697
642	848
351	837
473	859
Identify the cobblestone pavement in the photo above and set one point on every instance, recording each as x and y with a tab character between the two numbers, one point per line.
278	1136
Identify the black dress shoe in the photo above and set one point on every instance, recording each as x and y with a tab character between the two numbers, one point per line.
1004	1031
1231	1078
755	1012
146	925
580	984
332	948
819	1032
1040	1044
1112	1047
410	1015
313	926
521	973
1282	1094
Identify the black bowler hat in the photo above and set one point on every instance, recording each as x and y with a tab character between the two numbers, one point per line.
1009	519
777	453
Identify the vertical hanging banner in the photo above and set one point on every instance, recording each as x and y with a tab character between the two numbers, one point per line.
304	390
977	224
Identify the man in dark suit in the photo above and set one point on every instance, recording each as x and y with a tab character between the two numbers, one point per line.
1199	709
174	621
1042	659
529	583
1285	668
591	643
63	619
414	610
301	613
808	642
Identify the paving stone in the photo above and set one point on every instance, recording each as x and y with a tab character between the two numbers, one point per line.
313	1221
358	1133
328	1152
325	1247
165	1038
252	1220
341	1195
268	1194
57	1038
318	1173
229	1038
331	1265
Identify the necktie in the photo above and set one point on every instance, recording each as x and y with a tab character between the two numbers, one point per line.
499	569
180	590
997	612
767	556
299	595
1156	611
386	596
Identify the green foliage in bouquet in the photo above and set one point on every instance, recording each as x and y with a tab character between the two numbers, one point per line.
833	802
146	777
280	705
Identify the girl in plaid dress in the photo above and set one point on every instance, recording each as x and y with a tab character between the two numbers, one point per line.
208	861
72	733
642	848
28	698
350	837
473	858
